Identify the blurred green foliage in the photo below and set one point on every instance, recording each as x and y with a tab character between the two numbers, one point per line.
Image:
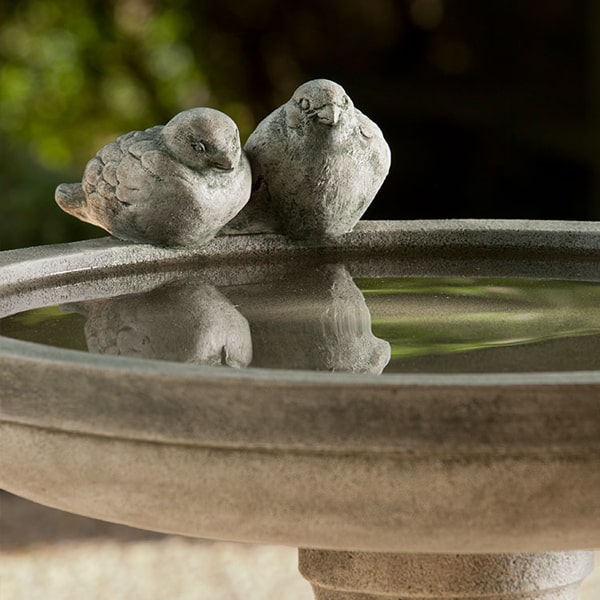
505	122
73	76
94	69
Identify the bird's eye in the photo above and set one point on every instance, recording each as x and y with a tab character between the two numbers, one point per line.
198	146
304	104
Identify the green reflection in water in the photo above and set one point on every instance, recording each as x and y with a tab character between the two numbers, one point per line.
429	316
432	324
49	325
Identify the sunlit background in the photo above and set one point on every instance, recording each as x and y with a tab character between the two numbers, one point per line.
492	109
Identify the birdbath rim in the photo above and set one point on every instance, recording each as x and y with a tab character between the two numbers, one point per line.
91	259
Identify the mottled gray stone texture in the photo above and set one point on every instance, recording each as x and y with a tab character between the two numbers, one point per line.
373	473
175	185
365	576
317	163
423	247
419	463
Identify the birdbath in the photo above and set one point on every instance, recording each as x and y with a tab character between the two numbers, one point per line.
415	405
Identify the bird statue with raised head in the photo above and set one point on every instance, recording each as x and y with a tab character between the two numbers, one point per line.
171	185
317	163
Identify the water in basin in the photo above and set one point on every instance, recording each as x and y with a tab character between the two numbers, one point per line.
325	319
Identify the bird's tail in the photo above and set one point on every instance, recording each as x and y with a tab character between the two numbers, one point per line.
70	197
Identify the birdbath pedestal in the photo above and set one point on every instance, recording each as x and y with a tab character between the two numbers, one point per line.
339	575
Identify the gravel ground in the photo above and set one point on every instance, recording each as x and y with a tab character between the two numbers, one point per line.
52	555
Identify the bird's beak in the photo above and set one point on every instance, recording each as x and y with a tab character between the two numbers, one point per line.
329	114
229	157
223	163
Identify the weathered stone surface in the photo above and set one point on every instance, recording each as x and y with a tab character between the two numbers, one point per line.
175	185
366	576
317	163
457	463
456	246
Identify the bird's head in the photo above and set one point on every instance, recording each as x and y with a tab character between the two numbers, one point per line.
203	138
319	101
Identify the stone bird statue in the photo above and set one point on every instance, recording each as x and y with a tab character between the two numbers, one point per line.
172	185
317	163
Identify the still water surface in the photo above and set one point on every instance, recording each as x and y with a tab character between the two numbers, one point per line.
324	319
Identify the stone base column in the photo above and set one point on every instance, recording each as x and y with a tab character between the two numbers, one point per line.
340	575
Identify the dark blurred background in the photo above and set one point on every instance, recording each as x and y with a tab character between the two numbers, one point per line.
492	108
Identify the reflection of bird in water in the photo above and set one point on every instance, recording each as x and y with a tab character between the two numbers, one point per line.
184	321
172	185
317	164
315	319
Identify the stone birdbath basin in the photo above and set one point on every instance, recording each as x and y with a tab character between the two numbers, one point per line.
236	392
